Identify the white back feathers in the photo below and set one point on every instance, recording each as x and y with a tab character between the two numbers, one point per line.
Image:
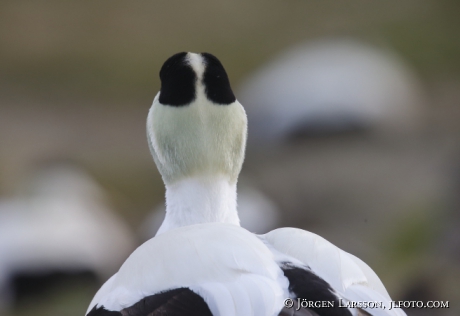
239	279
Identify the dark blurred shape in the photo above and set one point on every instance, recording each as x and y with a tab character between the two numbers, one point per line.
30	284
315	128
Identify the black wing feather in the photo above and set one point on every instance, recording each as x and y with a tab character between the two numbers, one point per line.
177	302
307	285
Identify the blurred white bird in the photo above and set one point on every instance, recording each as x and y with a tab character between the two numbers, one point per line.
63	224
330	86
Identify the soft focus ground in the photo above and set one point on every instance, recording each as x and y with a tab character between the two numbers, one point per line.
77	79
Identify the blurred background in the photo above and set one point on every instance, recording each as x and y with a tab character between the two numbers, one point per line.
354	134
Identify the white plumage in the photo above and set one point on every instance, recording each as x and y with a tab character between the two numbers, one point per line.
348	275
257	213
197	134
220	274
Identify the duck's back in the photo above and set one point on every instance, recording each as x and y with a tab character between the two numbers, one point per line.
216	269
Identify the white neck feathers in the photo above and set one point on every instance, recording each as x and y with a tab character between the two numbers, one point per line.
200	200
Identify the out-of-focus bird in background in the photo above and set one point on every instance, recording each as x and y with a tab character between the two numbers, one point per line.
61	224
331	86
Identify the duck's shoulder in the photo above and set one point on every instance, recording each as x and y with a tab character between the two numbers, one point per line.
210	262
350	277
340	267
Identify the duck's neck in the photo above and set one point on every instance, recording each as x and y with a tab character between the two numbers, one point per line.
200	200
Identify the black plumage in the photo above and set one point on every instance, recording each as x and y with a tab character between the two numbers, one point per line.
308	286
177	302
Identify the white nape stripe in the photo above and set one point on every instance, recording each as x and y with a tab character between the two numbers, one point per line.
197	63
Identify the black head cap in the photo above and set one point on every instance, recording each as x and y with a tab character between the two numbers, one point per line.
177	81
215	80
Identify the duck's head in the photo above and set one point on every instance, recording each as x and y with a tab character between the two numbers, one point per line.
196	127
